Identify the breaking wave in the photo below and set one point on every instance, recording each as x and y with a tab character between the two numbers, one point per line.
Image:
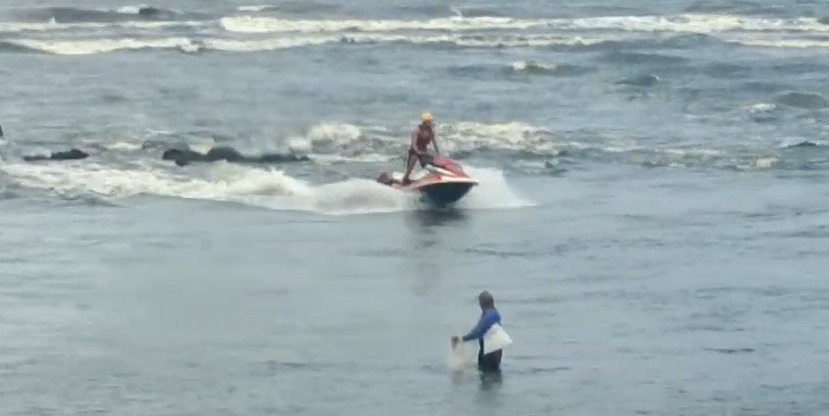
200	32
688	23
187	45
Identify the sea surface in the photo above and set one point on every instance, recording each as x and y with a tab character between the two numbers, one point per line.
652	219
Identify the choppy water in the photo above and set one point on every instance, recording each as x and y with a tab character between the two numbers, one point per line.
652	218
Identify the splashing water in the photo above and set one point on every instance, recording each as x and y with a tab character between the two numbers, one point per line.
457	359
492	192
266	188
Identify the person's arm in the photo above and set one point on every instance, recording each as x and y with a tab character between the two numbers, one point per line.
486	321
414	142
435	143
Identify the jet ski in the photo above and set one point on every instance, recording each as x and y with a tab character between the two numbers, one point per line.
442	181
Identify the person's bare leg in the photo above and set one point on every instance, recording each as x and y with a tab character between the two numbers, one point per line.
410	164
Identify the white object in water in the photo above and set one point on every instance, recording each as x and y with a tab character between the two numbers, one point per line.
495	339
457	358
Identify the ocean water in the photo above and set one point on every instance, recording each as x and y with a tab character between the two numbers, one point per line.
652	219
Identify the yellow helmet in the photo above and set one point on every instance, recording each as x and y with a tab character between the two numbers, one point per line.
425	117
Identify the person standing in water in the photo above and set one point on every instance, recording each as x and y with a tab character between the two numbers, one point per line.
487	363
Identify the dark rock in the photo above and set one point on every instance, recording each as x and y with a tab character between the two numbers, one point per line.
72	154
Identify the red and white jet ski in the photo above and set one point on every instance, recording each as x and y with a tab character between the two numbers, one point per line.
441	182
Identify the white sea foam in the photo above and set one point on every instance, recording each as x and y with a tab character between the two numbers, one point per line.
54	26
783	43
88	47
123	146
251	24
255	8
684	23
313	33
97	46
488	32
688	23
267	188
493	192
506	136
458	358
522	66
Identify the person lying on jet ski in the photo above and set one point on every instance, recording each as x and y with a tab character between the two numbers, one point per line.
386	179
421	137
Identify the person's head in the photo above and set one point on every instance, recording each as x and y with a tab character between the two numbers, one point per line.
426	119
384	178
486	300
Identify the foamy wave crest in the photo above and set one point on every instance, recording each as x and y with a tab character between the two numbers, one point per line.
123	146
266	44
256	8
531	66
547	68
516	41
695	23
249	24
783	43
90	47
469	136
761	107
138	10
328	139
334	132
368	158
14	27
492	40
687	23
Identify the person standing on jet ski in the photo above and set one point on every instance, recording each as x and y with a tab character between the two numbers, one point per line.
421	137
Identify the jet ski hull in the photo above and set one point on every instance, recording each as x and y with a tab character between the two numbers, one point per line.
444	193
442	183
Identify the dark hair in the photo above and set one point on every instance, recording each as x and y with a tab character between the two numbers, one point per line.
485	299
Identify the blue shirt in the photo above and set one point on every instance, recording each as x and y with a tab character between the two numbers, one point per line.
489	317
